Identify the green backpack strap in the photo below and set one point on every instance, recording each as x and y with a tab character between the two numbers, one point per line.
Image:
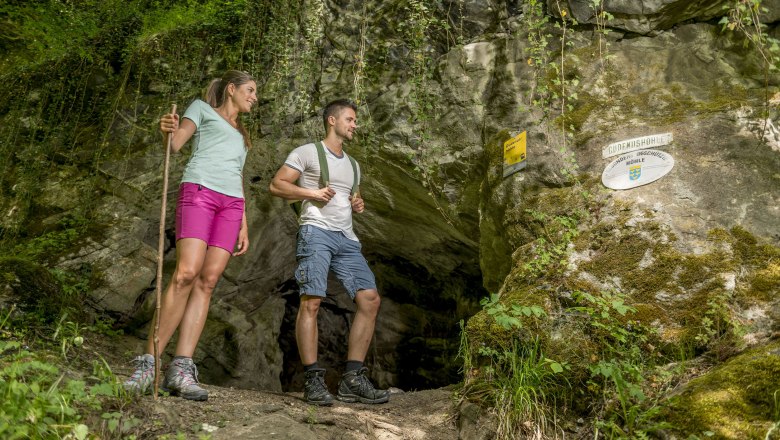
324	173
297	205
356	176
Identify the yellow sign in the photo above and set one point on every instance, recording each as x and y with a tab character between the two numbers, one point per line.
514	154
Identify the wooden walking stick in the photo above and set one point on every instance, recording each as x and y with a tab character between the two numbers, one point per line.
160	250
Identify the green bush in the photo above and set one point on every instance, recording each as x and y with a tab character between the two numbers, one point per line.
34	403
42	393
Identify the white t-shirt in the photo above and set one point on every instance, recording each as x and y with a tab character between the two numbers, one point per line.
218	152
336	215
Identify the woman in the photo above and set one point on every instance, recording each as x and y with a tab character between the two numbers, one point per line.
210	218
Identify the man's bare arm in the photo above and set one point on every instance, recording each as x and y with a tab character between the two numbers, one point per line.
283	185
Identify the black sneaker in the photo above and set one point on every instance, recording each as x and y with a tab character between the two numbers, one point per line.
314	390
355	387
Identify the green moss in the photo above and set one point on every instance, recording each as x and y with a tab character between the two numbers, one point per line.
749	250
36	291
765	282
677	291
48	243
484	331
585	105
638	256
736	400
695	270
535	217
759	261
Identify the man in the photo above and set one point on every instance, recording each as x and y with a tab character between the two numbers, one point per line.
326	242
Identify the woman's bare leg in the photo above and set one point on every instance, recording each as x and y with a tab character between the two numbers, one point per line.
190	256
198	304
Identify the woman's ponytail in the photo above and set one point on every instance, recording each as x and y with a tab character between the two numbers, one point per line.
215	92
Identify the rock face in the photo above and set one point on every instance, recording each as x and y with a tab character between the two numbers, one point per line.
641	17
443	227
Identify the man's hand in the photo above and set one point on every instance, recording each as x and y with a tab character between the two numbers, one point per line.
243	242
323	194
357	203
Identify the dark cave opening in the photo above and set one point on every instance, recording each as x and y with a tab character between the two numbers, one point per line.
417	336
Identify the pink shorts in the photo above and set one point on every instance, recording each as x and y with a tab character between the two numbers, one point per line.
208	215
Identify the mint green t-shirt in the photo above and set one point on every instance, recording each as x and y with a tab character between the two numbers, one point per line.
218	152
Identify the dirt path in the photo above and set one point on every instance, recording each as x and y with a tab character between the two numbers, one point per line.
237	414
245	414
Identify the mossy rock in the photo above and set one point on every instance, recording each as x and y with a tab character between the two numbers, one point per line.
484	330
684	303
33	290
736	400
766	282
681	294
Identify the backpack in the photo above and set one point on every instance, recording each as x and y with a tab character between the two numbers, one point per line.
297	205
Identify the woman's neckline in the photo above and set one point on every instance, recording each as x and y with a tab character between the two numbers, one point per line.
235	127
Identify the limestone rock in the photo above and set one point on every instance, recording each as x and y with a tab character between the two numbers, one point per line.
642	17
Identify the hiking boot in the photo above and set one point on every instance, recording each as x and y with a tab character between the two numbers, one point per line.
142	379
314	390
181	379
355	387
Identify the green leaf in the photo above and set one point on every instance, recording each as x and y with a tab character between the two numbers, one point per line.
620	307
102	389
113	424
80	432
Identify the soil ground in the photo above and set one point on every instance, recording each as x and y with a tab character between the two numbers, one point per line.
234	414
247	414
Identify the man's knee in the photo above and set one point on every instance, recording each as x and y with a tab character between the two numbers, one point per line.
310	305
368	301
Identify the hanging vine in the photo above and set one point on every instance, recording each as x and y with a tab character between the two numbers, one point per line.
422	20
554	90
744	16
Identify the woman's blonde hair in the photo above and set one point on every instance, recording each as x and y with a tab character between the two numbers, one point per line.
216	95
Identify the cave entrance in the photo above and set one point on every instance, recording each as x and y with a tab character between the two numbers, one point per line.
417	334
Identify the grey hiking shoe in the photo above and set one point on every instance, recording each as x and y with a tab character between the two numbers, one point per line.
355	387
181	379
142	379
314	390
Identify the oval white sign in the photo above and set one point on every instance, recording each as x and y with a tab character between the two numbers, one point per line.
636	169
